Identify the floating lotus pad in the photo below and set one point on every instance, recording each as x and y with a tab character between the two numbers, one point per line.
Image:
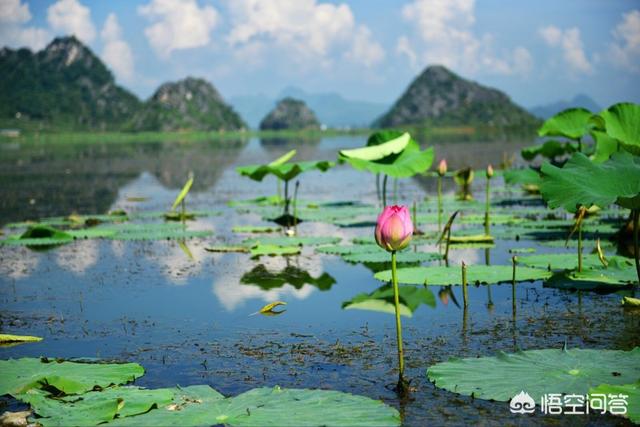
291	241
39	235
441	275
273	250
349	249
569	261
20	375
537	372
196	405
95	407
632	391
382	256
255	229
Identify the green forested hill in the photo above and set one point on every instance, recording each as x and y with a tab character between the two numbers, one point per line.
439	97
64	86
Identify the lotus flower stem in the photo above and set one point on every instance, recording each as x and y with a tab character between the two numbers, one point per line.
295	204
487	208
465	295
580	247
514	261
636	255
396	300
384	191
439	203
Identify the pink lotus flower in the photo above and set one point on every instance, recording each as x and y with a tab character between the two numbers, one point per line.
394	228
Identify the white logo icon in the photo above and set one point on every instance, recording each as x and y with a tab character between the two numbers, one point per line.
522	403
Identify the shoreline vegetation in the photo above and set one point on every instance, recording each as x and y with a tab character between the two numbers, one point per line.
422	133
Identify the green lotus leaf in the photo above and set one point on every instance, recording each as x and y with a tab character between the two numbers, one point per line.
582	182
39	235
20	375
95	407
404	164
349	249
382	256
569	261
605	146
550	150
291	241
273	250
622	122
378	151
632	391
284	171
522	176
572	123
268	407
255	229
484	274
536	372
382	300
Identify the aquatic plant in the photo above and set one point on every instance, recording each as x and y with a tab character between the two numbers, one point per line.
399	156
487	210
284	171
464	178
393	232
442	171
180	200
583	183
572	123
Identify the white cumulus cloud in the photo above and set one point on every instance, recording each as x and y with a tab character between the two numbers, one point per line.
305	28
570	42
70	17
444	34
626	48
116	52
178	24
14	32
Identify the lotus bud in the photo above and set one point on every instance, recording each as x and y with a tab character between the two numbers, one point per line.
489	172
394	228
442	167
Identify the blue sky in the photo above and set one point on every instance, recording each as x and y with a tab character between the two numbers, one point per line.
538	52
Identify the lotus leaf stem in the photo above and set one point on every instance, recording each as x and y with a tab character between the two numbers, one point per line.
636	255
384	191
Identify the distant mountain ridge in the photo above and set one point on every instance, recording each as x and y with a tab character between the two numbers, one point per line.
580	100
439	97
331	108
66	87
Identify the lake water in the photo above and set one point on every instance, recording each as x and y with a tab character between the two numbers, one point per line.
189	321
